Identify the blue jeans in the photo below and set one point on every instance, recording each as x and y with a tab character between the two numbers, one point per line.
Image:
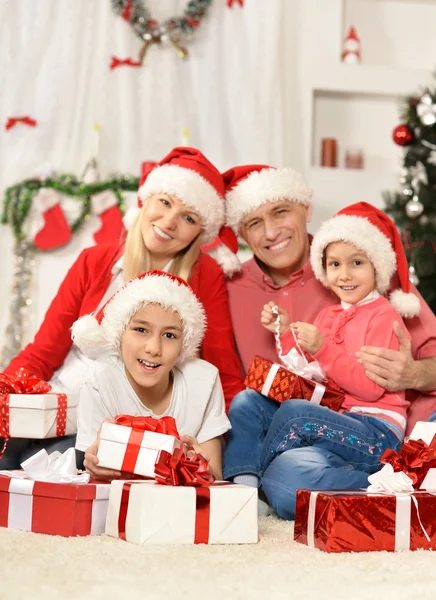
432	418
20	449
300	445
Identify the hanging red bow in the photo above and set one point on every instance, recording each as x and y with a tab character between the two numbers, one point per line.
127	11
12	121
180	469
231	2
415	458
116	62
165	425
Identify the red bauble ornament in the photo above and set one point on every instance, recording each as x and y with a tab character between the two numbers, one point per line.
402	135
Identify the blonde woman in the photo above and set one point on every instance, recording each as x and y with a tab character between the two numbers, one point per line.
180	208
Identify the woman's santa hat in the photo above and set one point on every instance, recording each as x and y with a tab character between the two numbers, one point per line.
373	232
102	333
186	173
250	186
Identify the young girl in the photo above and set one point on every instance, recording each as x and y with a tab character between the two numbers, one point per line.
147	335
355	254
181	208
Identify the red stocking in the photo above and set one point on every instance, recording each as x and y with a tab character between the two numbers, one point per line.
105	206
54	231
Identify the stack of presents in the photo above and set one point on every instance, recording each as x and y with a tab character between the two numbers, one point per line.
170	496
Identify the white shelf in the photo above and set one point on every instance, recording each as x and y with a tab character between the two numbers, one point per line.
365	79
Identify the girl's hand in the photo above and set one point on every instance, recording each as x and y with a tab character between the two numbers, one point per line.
91	464
268	318
308	336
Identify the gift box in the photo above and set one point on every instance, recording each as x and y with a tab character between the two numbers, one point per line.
133	443
346	521
65	503
150	513
29	410
279	383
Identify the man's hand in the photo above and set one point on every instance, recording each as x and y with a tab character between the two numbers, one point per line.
394	370
268	318
308	336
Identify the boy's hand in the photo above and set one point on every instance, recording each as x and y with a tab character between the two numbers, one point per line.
191	442
91	464
268	318
308	336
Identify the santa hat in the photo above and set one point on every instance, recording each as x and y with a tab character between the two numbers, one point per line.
186	173
102	332
250	186
224	250
373	232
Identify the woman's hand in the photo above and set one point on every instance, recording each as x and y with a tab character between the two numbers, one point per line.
308	336
268	318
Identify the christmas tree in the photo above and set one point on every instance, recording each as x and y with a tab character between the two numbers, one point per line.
413	207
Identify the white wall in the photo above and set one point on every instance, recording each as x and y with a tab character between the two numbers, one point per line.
263	84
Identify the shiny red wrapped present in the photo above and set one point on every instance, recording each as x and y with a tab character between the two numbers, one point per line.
345	521
279	383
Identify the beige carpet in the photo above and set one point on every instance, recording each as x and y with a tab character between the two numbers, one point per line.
42	567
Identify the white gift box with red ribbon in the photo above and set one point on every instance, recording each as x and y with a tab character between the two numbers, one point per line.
130	451
64	504
40	416
145	512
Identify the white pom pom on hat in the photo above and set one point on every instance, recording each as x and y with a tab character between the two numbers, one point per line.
370	230
94	335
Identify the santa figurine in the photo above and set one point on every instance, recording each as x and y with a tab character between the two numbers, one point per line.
351	51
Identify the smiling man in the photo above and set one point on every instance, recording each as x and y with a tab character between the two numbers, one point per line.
270	208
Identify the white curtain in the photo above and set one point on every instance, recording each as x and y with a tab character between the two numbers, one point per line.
55	68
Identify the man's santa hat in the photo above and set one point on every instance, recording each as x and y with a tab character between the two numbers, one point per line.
250	186
185	173
373	232
102	333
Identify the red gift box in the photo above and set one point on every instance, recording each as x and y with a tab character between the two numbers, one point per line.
53	508
362	522
278	383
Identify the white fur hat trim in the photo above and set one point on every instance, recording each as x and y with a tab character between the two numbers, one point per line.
408	305
193	190
360	232
93	338
268	185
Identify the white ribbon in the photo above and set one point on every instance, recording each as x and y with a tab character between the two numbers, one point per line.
387	481
54	468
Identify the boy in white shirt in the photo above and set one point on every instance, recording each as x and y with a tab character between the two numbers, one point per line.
147	336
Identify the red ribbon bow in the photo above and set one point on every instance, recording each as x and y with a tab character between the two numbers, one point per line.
180	469
12	121
117	62
415	458
23	383
165	425
231	2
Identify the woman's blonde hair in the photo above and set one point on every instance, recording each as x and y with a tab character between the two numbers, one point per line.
137	258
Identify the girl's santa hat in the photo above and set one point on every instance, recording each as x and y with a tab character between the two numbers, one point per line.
102	333
250	186
185	173
373	232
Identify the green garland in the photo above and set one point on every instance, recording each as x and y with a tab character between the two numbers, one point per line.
18	198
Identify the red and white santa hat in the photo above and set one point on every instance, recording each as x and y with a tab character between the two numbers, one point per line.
250	186
373	232
186	173
94	335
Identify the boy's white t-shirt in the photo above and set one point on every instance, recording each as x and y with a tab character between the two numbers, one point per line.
197	401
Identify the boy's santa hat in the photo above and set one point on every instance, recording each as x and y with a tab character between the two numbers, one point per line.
102	333
186	173
373	232
250	186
